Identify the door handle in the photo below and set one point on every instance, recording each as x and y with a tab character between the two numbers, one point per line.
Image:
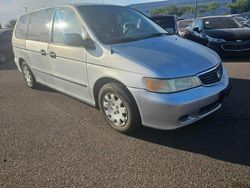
53	55
43	52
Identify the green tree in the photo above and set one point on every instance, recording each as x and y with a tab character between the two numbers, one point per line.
239	5
11	24
171	10
213	6
158	11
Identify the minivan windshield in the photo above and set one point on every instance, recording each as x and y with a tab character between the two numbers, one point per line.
114	24
221	23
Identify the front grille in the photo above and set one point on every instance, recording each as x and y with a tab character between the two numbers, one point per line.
237	46
212	77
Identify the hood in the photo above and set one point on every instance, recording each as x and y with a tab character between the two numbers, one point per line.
230	34
168	56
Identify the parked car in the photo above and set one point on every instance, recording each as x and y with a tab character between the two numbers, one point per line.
168	23
182	26
137	76
223	34
6	52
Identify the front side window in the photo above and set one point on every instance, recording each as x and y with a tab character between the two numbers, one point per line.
199	24
39	26
113	24
21	28
194	23
65	22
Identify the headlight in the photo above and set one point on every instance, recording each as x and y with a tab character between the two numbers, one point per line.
215	40
170	85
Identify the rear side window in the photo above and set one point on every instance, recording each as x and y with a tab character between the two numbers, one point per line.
39	26
21	28
66	22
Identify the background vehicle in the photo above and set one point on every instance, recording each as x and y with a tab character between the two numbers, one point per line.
118	60
6	52
182	26
168	23
223	34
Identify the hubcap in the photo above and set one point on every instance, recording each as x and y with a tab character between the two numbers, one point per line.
115	109
2	58
27	75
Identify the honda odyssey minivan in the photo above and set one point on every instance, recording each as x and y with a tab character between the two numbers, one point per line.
118	60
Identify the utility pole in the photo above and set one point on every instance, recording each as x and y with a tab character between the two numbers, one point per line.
196	9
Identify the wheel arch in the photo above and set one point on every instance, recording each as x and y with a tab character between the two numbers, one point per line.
20	62
103	81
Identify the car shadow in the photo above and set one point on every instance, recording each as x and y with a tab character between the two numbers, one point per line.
224	135
44	88
8	66
236	60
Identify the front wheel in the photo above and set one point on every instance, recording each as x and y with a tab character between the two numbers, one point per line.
28	76
118	108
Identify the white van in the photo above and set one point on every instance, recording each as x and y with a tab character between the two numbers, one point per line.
117	59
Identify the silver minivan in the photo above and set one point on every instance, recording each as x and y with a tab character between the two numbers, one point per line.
116	59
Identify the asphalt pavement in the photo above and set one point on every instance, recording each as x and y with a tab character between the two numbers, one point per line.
48	139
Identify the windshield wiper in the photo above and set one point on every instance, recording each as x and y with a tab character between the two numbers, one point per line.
157	35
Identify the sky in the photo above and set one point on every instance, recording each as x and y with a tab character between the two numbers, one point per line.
12	9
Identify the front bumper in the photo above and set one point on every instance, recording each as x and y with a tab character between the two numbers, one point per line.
172	111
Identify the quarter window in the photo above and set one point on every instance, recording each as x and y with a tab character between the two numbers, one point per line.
65	22
21	28
39	26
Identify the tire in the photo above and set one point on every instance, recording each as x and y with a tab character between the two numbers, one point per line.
28	76
3	58
119	108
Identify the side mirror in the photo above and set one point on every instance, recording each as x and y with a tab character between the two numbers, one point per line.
74	39
196	29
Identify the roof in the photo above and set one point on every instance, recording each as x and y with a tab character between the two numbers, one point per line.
207	17
73	5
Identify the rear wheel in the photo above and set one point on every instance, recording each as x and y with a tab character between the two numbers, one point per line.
28	76
3	58
118	108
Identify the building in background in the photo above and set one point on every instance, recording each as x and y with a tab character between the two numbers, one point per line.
146	8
